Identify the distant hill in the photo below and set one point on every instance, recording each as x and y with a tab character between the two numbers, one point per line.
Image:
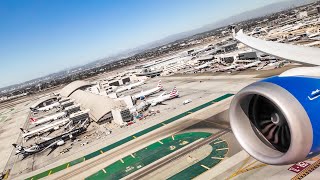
269	9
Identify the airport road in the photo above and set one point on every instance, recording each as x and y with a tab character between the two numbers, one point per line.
143	172
95	164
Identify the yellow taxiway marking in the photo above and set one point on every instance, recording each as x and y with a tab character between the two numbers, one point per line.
104	171
134	137
246	168
132	155
50	172
101	151
219	142
239	169
172	137
205	166
121	160
217	158
160	142
307	170
68	165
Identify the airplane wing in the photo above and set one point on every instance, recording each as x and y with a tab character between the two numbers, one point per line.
294	53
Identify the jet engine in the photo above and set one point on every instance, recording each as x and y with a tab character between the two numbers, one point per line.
276	120
60	142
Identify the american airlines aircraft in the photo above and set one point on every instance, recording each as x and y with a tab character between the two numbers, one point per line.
276	120
163	97
146	93
130	86
48	118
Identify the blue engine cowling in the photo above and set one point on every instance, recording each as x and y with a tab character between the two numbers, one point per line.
276	120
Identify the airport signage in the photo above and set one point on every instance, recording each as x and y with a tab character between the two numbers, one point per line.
298	167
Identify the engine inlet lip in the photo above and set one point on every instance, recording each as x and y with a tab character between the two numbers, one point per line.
297	118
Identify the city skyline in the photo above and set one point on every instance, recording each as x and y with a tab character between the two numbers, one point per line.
43	37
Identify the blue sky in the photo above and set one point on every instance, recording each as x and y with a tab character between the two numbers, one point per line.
39	37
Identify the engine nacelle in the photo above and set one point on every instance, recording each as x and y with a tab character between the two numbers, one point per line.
277	120
60	142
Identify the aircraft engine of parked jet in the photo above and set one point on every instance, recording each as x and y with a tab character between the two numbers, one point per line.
60	143
277	120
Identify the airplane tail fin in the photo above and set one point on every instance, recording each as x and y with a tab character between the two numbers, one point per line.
33	109
23	130
159	84
233	30
174	92
33	119
14	145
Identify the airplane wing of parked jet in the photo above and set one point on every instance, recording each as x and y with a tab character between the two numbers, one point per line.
294	53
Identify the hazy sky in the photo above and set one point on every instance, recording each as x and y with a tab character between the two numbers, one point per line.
38	37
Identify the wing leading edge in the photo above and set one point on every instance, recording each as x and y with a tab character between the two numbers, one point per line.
294	53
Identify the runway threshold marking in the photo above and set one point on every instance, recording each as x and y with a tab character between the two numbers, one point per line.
205	167
307	171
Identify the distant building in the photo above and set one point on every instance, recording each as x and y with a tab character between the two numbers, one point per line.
229	59
229	47
149	73
313	12
100	106
44	102
302	14
248	56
